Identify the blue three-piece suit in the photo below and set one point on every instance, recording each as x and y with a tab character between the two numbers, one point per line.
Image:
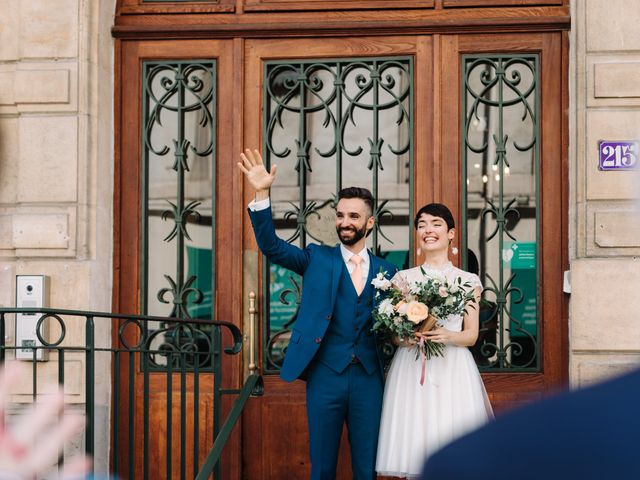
333	348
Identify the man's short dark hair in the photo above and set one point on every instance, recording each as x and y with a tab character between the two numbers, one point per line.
357	192
436	210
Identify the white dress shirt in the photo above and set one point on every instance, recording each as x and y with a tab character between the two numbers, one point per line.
257	205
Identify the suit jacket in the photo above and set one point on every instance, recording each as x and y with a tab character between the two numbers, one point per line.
321	267
593	433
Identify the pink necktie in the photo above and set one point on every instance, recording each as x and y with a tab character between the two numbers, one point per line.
356	274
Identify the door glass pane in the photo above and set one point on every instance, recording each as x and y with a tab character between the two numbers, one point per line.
179	178
500	200
331	124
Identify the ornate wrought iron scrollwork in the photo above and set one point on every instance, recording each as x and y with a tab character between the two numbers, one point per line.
501	123
278	340
179	125
338	98
179	344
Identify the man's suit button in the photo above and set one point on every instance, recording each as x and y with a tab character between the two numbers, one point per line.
318	340
329	317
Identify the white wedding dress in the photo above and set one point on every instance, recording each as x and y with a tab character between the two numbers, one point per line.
419	419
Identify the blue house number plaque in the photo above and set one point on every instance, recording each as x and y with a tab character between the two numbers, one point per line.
621	155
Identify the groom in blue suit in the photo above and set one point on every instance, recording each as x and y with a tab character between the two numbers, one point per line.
331	346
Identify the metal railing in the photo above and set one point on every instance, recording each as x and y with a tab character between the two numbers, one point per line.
150	356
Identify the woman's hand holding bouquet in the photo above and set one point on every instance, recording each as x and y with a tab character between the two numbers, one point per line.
410	311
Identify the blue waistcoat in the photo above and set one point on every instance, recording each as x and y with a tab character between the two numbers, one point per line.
349	335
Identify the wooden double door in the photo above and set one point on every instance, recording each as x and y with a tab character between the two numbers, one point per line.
271	440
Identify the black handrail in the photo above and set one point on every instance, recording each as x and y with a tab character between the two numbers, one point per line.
180	347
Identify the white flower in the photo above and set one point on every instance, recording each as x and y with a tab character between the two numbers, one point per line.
415	288
397	320
386	308
438	276
381	282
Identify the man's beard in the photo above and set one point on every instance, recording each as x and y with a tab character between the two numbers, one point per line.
356	236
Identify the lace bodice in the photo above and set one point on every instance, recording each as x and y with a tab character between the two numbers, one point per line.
452	322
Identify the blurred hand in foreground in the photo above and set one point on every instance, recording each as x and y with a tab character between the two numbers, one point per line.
31	446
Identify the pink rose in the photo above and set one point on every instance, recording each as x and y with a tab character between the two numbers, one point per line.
417	312
442	291
401	307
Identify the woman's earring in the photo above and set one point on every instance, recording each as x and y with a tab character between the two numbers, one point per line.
454	251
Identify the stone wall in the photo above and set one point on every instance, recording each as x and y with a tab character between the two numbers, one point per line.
56	141
604	209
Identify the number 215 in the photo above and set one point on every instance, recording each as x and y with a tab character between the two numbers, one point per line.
620	156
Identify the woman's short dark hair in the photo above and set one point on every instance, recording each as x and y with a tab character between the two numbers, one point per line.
436	210
357	192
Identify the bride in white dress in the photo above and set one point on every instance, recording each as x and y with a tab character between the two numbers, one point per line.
419	419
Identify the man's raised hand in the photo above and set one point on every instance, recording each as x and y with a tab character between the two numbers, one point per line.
253	168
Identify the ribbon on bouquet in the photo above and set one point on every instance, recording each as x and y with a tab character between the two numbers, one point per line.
423	369
423	359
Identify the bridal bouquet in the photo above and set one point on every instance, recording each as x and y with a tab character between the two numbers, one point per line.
414	307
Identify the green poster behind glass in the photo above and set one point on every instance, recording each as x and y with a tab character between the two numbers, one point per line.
283	295
199	261
521	257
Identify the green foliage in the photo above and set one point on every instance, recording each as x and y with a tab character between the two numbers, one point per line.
396	302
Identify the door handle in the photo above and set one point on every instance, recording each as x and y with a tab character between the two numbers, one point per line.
253	318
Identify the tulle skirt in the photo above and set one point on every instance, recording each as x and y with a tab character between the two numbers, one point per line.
419	419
